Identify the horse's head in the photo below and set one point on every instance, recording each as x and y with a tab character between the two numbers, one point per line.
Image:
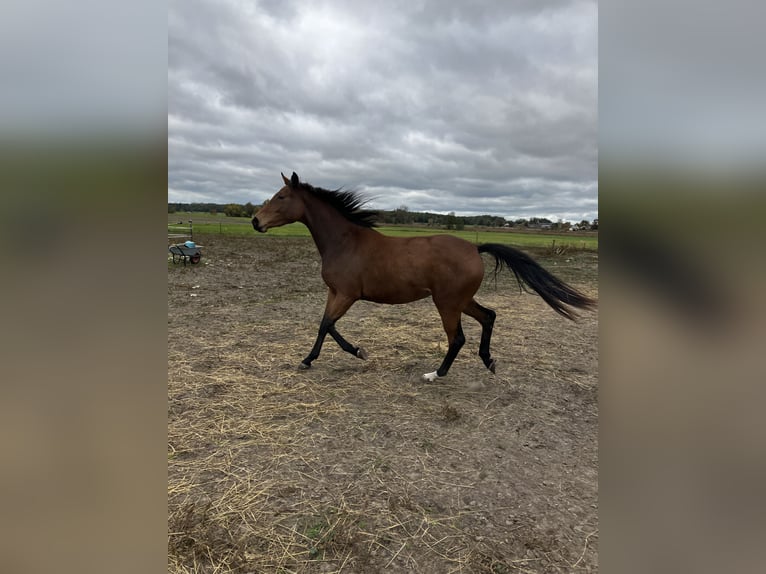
285	207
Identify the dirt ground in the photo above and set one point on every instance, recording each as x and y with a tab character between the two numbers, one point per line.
356	466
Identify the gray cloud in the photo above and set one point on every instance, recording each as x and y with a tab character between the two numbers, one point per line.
480	107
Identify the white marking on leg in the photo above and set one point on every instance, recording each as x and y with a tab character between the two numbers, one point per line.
430	377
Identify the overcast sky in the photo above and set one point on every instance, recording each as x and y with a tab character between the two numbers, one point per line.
473	107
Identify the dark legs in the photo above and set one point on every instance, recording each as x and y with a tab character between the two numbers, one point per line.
336	307
455	345
456	338
486	318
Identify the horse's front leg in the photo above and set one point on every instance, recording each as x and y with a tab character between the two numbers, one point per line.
337	305
324	327
345	345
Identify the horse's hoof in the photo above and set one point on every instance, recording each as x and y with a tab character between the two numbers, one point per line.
303	367
361	353
430	377
492	365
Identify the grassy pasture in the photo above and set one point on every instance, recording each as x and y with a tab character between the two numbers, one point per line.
219	223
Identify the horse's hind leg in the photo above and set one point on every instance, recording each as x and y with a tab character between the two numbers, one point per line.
336	307
486	318
455	337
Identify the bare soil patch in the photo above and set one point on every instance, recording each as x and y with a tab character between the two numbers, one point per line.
357	466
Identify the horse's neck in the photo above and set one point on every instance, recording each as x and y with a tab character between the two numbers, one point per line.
329	228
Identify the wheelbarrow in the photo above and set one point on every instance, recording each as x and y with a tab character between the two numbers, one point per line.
187	251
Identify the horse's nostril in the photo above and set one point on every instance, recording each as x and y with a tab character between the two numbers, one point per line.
255	224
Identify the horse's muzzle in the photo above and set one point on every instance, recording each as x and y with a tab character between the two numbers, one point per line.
257	226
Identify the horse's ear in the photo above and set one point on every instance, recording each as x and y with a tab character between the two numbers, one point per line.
294	179
287	181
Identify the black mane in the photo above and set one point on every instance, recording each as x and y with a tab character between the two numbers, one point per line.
349	204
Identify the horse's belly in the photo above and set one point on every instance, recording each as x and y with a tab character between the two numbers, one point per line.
393	294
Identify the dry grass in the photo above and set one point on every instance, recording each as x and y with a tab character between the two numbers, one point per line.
354	466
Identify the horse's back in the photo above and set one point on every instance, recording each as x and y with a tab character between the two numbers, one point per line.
431	252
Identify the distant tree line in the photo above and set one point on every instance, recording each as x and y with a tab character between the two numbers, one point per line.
229	209
403	216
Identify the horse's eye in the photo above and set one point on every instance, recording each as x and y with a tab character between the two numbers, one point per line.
280	197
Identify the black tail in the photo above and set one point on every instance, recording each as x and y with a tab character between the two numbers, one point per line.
529	273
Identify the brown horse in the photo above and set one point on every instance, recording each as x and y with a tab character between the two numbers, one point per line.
360	263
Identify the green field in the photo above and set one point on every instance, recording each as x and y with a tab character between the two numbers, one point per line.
208	223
